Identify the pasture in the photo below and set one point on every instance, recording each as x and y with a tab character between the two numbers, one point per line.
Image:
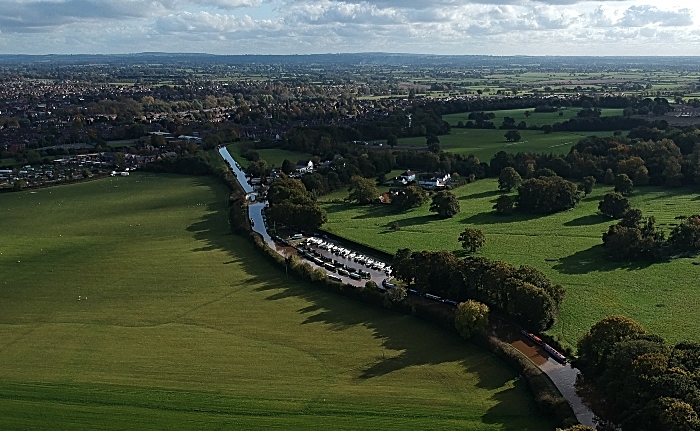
534	118
566	246
484	143
126	304
273	156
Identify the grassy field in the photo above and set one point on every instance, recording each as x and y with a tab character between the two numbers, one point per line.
485	143
566	246
273	156
536	118
126	304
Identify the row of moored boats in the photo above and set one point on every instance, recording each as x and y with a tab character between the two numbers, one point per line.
547	348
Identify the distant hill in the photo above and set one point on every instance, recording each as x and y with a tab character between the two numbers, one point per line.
378	58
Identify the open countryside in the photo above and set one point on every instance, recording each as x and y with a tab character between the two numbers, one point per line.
154	316
566	246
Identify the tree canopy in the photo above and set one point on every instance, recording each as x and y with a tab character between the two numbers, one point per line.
363	190
445	204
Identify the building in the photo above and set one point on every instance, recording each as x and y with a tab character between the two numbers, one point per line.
434	181
304	166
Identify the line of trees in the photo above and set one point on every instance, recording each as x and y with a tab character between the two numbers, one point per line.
524	293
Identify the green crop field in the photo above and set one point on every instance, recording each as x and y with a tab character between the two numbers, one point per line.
126	304
536	118
485	143
566	246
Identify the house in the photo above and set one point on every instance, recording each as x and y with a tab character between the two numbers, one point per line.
304	166
434	181
407	177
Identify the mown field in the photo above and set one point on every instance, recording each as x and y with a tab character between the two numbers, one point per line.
566	246
536	118
485	143
126	304
273	156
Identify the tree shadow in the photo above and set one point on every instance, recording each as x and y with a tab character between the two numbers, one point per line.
485	194
493	218
591	198
594	260
373	211
588	220
405	341
413	221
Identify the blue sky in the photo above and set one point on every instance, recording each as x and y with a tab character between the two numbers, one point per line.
502	27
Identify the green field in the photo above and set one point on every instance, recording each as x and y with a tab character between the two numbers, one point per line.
485	143
126	304
536	118
566	246
273	156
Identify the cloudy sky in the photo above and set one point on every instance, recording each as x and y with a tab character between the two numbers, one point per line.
500	27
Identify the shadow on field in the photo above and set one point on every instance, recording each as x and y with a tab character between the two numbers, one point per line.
372	211
492	218
411	221
594	260
406	341
486	194
588	220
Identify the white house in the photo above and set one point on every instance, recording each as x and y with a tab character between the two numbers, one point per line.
304	166
436	180
407	177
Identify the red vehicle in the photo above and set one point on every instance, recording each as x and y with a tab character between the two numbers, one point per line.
532	336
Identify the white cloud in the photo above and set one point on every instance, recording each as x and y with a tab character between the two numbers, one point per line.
305	26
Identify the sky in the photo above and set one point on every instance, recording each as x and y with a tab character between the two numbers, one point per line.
500	27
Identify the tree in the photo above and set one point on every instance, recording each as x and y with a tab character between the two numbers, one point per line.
287	166
686	236
433	143
445	204
609	178
672	173
512	136
19	185
410	197
392	141
641	177
623	184
588	184
547	129
472	239
614	205
362	190
624	241
396	294
471	318
291	205
504	204
119	159
679	416
509	179
547	195
595	346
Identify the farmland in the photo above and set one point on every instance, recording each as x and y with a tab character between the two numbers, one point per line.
566	246
533	118
484	143
125	303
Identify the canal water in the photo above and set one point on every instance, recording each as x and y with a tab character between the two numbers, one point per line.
564	376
